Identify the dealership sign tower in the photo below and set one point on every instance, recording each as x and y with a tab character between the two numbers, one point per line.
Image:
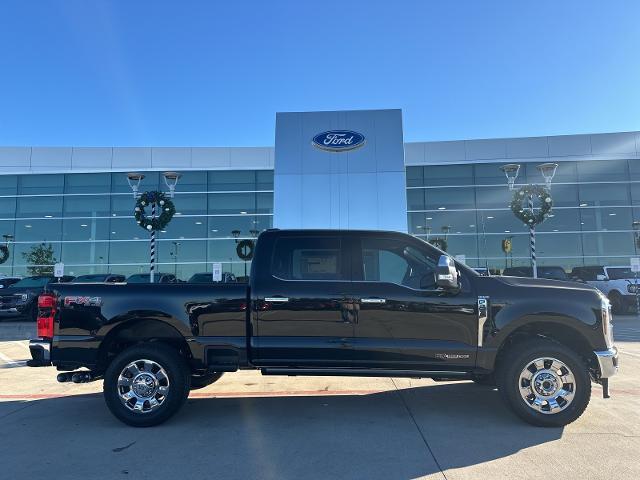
341	170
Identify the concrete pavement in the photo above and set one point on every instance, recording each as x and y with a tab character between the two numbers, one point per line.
249	426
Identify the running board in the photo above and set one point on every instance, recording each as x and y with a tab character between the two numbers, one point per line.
361	372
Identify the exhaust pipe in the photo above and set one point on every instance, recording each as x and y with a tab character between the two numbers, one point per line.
81	377
64	377
77	377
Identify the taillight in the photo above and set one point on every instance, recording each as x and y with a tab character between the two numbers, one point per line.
46	314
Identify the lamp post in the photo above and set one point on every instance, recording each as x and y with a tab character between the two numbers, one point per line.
171	180
548	171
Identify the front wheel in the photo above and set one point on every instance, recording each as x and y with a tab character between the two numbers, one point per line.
146	384
545	383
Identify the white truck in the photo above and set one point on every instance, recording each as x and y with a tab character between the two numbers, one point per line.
617	283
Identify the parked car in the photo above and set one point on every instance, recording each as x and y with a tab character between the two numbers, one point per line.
100	278
482	271
327	302
8	281
617	283
548	272
159	278
21	298
227	277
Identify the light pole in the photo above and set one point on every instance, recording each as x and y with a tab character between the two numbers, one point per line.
155	199
530	218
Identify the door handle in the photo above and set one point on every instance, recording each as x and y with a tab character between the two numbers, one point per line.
276	299
373	300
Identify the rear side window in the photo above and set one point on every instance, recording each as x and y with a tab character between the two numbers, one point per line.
308	258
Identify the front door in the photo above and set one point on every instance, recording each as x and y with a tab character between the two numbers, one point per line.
403	320
304	310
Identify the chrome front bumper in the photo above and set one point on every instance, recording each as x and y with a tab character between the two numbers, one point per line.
608	362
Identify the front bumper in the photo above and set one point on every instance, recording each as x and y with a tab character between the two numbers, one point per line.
608	362
40	353
18	310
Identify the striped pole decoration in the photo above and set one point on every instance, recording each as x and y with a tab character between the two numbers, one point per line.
532	241
153	247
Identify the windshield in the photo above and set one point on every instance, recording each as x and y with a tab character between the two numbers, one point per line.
553	273
201	278
90	278
620	273
140	278
32	282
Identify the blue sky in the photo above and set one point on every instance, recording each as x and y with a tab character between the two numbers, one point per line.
77	72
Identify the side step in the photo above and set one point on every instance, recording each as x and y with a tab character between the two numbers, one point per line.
361	372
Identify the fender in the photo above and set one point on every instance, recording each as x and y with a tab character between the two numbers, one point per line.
535	317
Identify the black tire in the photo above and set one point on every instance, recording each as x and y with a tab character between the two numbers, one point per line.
201	381
514	363
617	305
177	373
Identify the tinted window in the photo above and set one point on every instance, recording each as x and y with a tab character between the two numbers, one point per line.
554	273
90	278
33	282
620	273
307	258
393	261
141	278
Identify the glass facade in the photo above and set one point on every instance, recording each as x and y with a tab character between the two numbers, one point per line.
595	203
88	220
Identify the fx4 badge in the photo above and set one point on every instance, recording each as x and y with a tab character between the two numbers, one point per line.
83	301
451	356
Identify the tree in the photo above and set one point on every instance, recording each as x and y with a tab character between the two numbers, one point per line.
41	258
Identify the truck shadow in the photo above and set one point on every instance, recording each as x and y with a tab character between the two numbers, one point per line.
387	435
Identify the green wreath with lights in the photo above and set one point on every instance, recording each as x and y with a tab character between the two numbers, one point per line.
520	208
4	253
440	243
165	205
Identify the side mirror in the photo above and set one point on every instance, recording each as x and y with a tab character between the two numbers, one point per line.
446	273
601	278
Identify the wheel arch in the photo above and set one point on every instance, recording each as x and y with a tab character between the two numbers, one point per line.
136	331
561	333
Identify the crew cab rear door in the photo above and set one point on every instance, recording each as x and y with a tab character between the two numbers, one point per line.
302	302
403	321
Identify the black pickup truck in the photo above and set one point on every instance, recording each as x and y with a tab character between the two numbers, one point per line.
322	302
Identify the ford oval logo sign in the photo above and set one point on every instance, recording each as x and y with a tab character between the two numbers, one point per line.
338	140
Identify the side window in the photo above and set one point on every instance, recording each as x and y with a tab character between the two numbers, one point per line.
307	258
390	261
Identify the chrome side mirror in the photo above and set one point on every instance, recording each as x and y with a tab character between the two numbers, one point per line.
446	273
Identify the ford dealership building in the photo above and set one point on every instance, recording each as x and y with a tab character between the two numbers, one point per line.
327	170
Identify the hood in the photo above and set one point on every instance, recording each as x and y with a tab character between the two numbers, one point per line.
16	291
545	283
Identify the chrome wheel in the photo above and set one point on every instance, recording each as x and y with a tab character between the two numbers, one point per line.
143	386
547	385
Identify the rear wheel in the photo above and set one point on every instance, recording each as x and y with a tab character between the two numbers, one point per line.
201	381
146	384
544	383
